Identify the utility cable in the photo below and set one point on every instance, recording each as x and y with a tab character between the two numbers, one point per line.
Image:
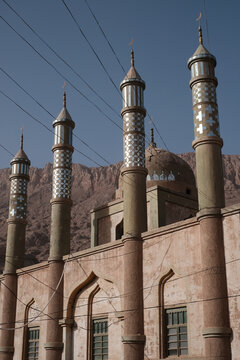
62	59
117	58
44	108
105	36
34	99
61	75
4	148
42	124
41	311
90	45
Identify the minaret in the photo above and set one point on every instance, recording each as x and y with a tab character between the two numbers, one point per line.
152	143
60	226
135	213
15	248
207	146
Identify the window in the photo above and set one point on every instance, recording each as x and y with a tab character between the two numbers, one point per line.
176	331
99	339
32	343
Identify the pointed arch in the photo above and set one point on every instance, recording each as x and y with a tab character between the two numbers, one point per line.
72	297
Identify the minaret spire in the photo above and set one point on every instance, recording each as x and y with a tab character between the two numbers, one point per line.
64	95
64	99
200	34
132	57
152	143
199	29
21	142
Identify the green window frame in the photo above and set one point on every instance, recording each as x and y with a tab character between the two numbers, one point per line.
99	339
33	343
176	331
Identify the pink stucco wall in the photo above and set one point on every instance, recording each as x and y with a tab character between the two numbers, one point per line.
173	248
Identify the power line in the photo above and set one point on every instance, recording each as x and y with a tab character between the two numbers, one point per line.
93	50
105	36
61	75
40	311
62	59
4	148
114	53
34	99
90	45
42	124
44	108
65	62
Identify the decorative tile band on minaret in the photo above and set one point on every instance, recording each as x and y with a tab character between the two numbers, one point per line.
133	114
203	84
62	149
62	183
18	190
19	179
207	142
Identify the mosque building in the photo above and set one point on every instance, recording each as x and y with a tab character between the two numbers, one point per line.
160	280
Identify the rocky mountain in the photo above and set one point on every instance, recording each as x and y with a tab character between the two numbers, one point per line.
92	187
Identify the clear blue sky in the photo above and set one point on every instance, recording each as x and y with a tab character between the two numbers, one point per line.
165	36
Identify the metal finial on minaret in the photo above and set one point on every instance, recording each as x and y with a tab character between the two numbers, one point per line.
152	143
21	142
64	99
132	53
200	34
132	58
64	95
199	28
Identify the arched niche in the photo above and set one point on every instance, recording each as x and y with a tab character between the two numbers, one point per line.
172	295
95	298
31	319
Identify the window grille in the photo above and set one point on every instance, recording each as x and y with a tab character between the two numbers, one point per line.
33	343
176	331
99	339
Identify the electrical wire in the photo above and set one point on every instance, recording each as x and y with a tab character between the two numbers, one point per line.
119	62
52	116
61	58
40	311
61	75
45	126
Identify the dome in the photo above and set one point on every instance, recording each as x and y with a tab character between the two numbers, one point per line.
167	170
170	171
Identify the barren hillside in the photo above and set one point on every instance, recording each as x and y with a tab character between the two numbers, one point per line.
91	187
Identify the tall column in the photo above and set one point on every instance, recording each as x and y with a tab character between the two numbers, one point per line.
14	250
60	228
135	213
207	146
